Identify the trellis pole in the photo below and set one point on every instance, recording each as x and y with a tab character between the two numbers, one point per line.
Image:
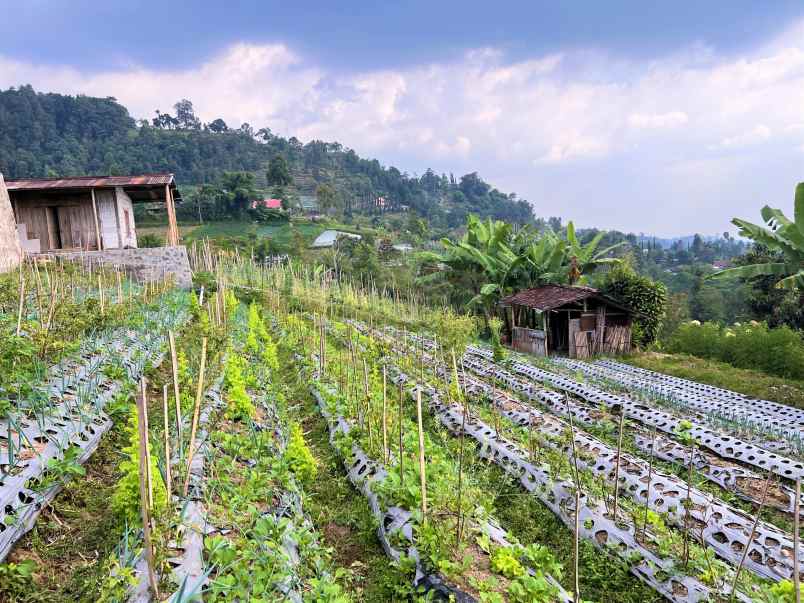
196	410
144	506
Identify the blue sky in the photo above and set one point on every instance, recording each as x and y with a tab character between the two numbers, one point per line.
655	117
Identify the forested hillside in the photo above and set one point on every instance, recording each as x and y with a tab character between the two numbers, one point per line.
47	134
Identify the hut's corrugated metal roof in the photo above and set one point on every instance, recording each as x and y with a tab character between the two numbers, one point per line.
32	184
549	297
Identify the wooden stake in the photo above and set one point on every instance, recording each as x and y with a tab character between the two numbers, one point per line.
148	475
175	367
401	447
168	480
196	411
576	539
100	292
421	453
385	452
796	519
617	463
751	536
650	479
144	508
21	304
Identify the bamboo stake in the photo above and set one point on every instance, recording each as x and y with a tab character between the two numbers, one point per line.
751	536
147	448
617	464
796	510
168	480
576	538
146	519
401	448
175	368
100	293
368	402
421	453
21	304
196	411
650	478
385	452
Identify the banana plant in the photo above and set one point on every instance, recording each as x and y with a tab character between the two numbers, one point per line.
781	234
585	259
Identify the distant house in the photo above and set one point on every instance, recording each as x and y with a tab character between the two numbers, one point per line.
87	213
328	238
308	204
721	265
576	321
267	203
402	247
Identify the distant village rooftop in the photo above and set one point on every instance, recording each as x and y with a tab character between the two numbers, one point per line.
328	238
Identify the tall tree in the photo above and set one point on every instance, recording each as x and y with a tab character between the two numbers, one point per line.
185	115
278	171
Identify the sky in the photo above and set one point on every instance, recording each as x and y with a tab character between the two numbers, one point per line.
663	118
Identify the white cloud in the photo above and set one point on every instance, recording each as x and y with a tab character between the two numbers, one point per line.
755	135
657	121
622	124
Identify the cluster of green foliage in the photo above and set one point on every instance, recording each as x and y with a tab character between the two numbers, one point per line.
299	457
239	405
778	351
492	259
126	498
639	293
782	235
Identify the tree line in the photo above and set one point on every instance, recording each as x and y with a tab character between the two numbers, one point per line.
48	134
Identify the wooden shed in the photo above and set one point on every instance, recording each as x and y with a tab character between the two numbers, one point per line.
87	213
559	319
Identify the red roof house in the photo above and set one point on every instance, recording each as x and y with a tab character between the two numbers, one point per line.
267	203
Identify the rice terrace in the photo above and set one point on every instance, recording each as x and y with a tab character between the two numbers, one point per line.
239	367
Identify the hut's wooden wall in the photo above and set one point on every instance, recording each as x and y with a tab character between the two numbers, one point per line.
59	222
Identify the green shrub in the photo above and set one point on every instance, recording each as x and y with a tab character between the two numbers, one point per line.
639	293
150	240
777	351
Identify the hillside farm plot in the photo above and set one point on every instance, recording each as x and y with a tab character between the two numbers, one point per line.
234	407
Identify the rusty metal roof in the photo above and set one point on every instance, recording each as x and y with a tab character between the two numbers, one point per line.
83	182
550	297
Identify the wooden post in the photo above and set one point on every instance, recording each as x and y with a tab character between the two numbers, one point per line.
165	426
421	453
95	216
144	508
196	411
173	229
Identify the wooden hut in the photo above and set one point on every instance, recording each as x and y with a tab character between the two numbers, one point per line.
559	319
89	213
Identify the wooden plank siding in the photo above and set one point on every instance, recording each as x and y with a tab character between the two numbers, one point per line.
63	222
